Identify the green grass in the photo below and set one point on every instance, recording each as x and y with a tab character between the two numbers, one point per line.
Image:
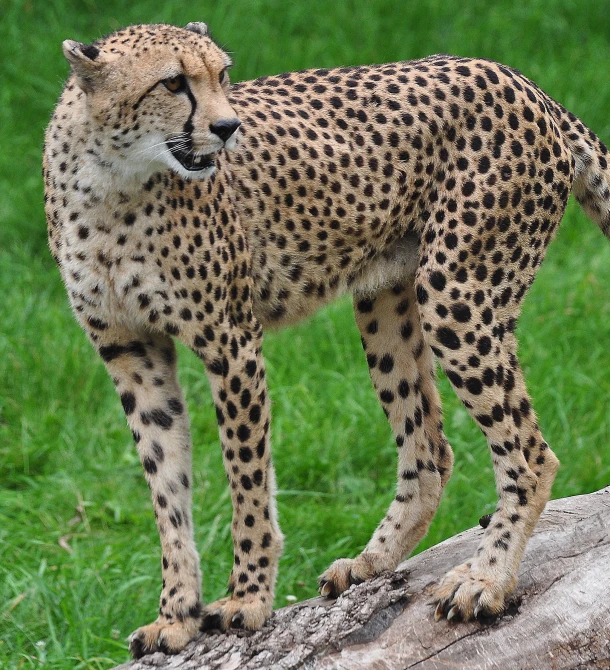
79	555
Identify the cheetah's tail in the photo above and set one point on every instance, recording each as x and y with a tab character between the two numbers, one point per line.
591	185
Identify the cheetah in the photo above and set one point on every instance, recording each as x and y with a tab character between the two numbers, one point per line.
182	207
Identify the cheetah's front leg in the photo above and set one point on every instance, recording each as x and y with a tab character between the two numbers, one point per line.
237	378
143	368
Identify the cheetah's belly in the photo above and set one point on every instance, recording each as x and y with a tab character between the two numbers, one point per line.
280	300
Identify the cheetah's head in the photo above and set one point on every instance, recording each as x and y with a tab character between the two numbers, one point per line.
156	98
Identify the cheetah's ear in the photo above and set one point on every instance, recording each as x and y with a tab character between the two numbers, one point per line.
197	27
84	61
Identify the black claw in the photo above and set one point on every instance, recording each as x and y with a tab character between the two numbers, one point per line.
485	520
457	617
445	607
211	622
334	592
162	644
137	648
237	621
447	604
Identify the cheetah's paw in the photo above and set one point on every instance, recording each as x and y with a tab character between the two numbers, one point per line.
347	571
168	637
466	593
237	613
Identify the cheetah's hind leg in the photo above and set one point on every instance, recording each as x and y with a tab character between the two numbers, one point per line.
477	350
402	369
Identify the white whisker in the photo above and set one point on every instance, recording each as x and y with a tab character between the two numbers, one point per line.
180	140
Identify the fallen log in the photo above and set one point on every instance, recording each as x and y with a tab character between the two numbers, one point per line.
558	618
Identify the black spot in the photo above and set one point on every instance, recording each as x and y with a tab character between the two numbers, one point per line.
406	330
112	351
474	385
175	406
497	277
149	465
484	345
365	306
461	312
128	400
451	241
194	611
386	364
158	451
455	379
243	432
245	454
422	295
448	338
497	413
260	448
437	281
484	165
98	324
158	417
235	384
386	396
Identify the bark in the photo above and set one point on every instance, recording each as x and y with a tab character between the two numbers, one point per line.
559	616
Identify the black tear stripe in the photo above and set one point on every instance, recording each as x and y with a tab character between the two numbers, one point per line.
188	126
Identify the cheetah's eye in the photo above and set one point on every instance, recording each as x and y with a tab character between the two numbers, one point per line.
223	77
175	84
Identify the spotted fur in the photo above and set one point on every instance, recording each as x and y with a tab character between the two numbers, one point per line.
428	189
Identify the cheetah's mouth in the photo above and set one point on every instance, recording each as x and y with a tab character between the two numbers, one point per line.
188	159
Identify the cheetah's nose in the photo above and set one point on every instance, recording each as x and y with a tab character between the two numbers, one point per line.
225	128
